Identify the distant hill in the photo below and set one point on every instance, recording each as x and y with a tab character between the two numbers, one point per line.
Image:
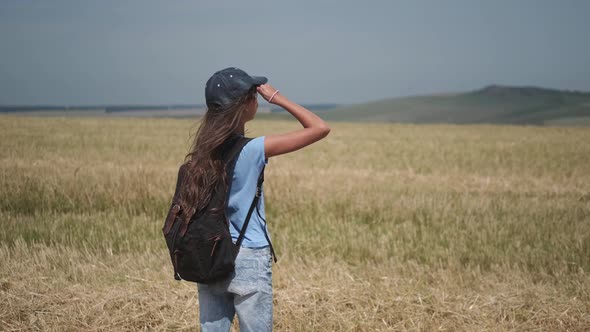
493	104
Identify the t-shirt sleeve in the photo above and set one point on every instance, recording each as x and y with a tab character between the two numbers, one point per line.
255	152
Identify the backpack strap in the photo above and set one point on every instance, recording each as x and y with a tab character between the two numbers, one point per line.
231	159
272	251
252	206
249	215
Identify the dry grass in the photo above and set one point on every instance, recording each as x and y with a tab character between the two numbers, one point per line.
379	227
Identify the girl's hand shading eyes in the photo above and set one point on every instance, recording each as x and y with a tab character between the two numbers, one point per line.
266	91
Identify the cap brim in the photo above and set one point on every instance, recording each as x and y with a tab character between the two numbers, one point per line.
259	80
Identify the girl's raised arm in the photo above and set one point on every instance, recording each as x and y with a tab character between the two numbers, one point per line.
314	128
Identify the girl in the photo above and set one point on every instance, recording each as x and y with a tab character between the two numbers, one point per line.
231	96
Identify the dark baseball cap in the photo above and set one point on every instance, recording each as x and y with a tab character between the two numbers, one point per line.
229	84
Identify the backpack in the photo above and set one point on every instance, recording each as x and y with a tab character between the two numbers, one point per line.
200	244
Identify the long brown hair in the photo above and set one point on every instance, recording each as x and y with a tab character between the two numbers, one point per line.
205	167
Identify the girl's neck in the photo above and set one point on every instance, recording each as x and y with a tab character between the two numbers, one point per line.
240	130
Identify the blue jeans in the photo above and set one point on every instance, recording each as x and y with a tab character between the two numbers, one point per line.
247	292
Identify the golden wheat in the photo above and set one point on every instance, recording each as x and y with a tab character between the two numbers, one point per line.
378	227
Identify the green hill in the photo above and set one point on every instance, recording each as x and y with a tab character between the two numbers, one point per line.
493	104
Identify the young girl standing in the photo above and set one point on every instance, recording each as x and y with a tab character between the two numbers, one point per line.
231	96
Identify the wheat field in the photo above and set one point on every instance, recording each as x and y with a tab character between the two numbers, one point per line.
379	227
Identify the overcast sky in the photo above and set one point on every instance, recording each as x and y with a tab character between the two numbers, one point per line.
161	52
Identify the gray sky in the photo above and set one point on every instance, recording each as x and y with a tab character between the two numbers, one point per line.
109	52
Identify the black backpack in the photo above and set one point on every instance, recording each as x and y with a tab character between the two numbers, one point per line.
199	242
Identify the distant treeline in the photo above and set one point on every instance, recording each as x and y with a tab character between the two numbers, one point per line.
106	108
37	108
312	107
127	108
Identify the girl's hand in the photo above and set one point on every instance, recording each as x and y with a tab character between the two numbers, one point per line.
266	91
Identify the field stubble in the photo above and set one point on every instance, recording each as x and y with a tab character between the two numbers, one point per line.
378	227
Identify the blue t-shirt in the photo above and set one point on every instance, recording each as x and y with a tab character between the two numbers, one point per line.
243	188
